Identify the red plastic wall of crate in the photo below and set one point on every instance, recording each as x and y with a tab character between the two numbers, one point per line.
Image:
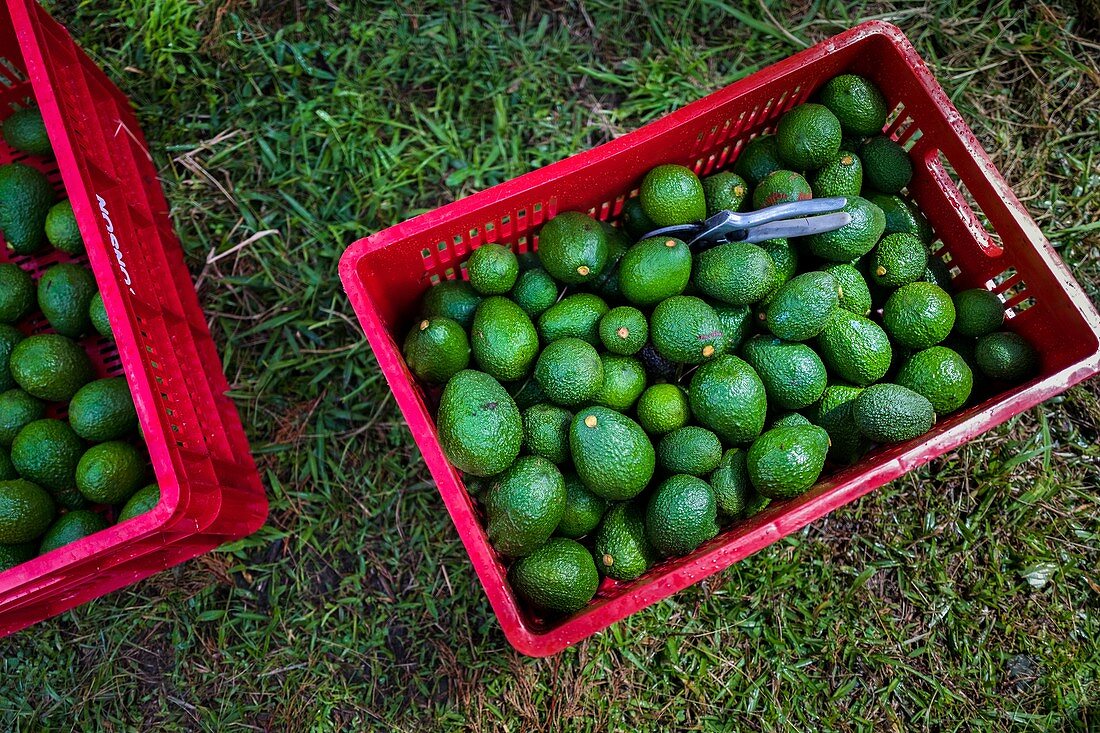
210	489
385	274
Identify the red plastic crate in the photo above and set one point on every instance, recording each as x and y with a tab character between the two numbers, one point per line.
386	273
210	489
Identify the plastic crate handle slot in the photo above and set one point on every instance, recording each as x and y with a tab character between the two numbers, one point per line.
966	206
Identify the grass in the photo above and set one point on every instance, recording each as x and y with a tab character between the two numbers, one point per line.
961	597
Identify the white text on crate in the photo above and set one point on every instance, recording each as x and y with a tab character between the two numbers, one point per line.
114	241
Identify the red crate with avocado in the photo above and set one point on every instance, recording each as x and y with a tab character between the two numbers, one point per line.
679	407
120	453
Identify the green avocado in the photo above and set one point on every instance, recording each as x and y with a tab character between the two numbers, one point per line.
611	452
786	461
479	426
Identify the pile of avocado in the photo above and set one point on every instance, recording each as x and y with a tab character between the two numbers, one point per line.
628	398
59	477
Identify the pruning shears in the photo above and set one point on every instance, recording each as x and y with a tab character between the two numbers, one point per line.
791	219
